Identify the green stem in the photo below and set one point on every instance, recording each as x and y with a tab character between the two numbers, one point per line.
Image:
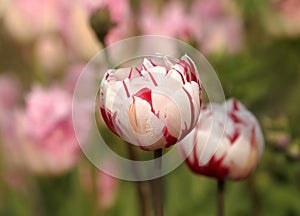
94	191
142	188
220	197
157	184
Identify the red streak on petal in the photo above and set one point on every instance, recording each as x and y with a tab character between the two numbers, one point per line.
181	75
152	63
193	72
138	70
130	73
109	119
126	89
235	105
151	76
234	137
146	94
213	168
169	138
185	69
106	76
235	118
253	137
192	107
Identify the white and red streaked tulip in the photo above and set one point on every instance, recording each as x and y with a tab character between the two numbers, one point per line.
152	106
240	147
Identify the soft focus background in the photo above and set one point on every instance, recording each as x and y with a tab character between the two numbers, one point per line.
254	46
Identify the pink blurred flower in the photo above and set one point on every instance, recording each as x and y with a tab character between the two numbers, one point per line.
28	20
80	40
154	105
217	25
25	19
72	74
106	185
173	21
282	18
50	54
43	133
9	92
240	147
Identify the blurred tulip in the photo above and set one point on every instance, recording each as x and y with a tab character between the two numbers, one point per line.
50	54
217	26
26	19
72	75
282	18
43	133
152	106
106	185
240	147
173	21
9	92
77	33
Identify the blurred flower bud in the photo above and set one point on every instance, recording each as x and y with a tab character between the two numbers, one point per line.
240	147
102	23
152	106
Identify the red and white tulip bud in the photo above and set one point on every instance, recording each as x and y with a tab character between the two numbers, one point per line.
153	105
236	152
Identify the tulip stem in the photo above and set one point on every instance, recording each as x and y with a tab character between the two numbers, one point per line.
220	197
142	188
157	184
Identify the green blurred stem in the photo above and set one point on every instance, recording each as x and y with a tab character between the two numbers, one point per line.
94	191
142	188
254	195
157	184
220	197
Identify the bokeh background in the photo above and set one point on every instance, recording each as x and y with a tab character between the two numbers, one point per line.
253	45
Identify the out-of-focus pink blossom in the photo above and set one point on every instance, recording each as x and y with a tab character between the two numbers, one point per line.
153	105
215	25
72	74
119	32
50	54
283	18
9	92
240	147
81	42
173	21
25	19
221	26
43	133
106	185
